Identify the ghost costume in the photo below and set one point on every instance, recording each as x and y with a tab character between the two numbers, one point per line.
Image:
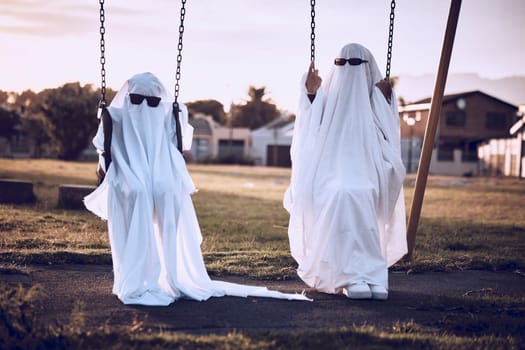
145	196
345	199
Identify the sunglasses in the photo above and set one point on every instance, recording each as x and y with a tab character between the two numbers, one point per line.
136	99
351	61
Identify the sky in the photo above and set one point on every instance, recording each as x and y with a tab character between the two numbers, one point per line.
230	45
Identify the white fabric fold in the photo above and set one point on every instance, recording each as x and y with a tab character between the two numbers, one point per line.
345	199
145	196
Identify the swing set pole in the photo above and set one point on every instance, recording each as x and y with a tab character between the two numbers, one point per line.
432	124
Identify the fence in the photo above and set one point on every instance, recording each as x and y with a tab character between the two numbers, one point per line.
502	157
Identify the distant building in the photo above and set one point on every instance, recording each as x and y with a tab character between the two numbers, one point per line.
201	147
506	156
467	120
214	141
271	142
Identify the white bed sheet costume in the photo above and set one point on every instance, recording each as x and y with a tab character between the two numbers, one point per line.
345	199
145	196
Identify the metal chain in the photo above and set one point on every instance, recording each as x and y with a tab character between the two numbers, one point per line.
102	55
390	37
312	34
179	55
176	108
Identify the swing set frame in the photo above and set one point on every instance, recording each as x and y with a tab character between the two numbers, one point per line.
430	129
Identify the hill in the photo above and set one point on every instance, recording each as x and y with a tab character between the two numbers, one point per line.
509	89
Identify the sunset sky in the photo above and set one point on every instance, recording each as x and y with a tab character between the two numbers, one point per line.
231	44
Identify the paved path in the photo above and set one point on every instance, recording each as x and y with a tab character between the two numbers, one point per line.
414	297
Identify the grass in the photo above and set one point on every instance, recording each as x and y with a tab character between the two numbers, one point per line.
466	223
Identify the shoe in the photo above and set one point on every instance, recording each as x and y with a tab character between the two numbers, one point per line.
378	292
359	290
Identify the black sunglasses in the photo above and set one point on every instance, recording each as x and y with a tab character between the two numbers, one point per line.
136	99
351	61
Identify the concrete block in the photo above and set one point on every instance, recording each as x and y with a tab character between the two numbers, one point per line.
16	191
71	196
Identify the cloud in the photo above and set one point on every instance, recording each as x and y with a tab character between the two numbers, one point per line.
52	18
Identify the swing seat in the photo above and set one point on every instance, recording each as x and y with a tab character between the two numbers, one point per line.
107	123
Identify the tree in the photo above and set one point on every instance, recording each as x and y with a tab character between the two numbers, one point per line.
256	112
394	81
208	107
69	114
9	122
4	97
24	119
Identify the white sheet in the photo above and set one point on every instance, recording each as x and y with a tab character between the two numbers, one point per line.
153	230
346	204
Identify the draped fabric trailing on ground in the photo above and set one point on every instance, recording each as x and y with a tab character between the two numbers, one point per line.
345	199
145	196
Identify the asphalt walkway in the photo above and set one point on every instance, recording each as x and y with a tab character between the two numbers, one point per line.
422	298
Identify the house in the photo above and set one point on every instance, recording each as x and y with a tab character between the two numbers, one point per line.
13	142
467	120
505	156
271	142
201	147
214	141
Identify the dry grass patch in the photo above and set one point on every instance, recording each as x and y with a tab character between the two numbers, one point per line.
466	222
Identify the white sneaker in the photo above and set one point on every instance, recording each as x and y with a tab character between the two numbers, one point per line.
378	292
359	290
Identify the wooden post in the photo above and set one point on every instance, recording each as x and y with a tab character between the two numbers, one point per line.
432	123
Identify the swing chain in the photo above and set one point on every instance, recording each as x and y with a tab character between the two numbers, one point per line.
102	102
312	34
179	54
390	37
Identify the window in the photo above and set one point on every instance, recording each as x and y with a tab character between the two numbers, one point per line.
231	148
470	152
446	152
201	148
278	155
456	118
20	144
495	121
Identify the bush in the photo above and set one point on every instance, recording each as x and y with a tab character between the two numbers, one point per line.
17	317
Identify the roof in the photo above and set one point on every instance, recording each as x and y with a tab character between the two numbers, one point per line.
201	126
517	126
453	97
278	123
